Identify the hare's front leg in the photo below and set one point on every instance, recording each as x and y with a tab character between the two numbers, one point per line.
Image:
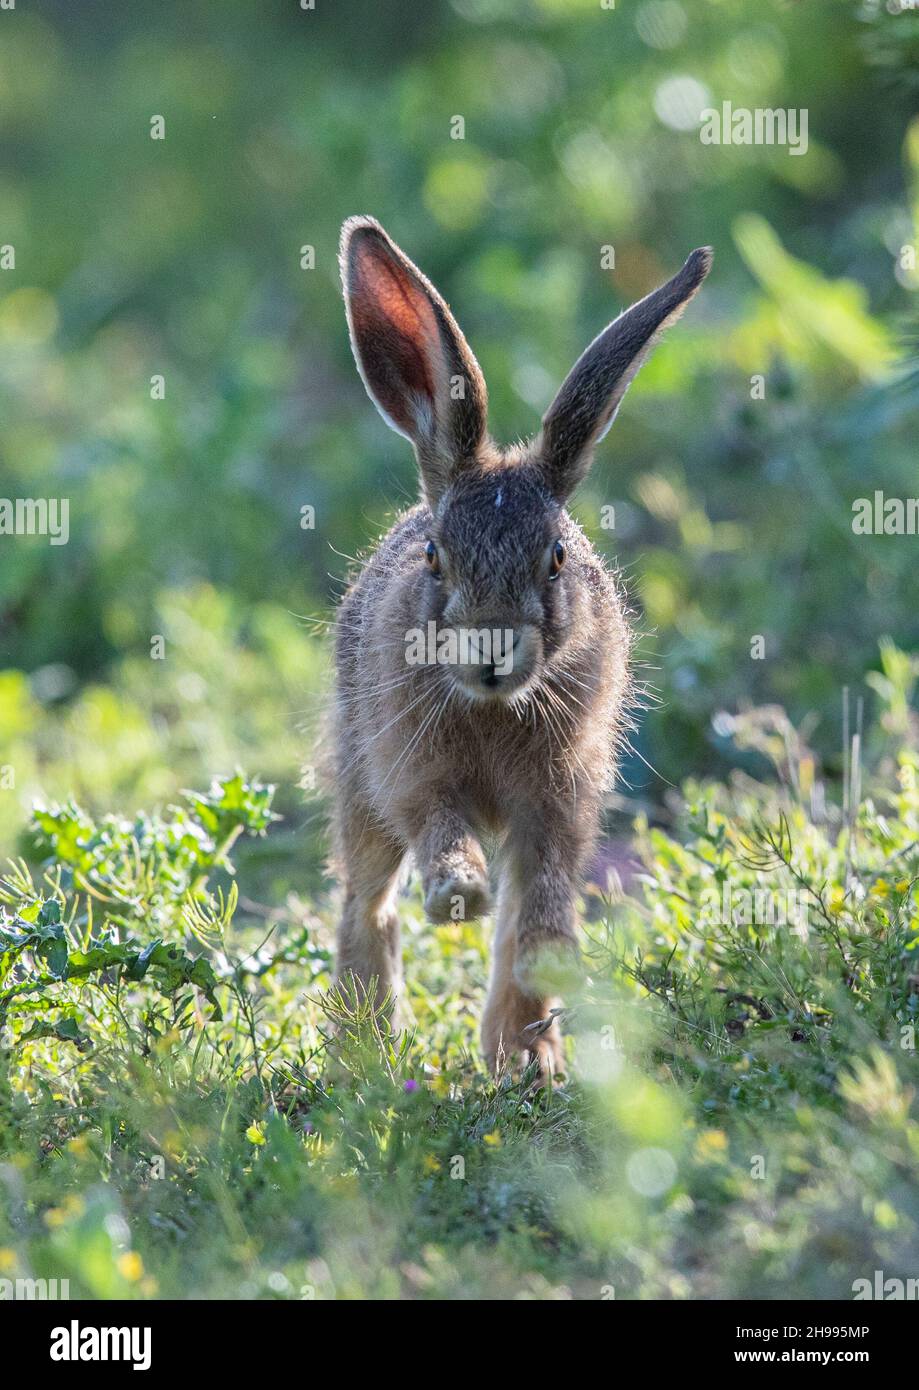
454	875
367	945
535	932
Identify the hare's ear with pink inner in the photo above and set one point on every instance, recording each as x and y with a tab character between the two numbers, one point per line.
417	366
589	397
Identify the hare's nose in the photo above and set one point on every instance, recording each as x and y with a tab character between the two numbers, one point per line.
494	673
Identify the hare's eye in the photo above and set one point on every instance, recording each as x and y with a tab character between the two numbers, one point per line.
432	557
559	556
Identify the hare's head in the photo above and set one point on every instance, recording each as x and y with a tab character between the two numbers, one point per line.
497	567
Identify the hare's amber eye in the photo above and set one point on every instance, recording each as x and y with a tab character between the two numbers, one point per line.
559	555
432	557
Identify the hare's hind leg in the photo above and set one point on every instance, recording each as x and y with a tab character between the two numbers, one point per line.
518	1025
367	944
535	935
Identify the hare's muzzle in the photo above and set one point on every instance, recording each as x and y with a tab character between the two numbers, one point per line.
495	660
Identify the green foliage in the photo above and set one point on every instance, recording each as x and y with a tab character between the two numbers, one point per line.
238	685
181	258
110	886
741	1119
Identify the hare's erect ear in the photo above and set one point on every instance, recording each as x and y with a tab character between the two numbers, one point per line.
589	397
415	362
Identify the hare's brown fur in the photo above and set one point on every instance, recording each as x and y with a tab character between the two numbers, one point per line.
432	759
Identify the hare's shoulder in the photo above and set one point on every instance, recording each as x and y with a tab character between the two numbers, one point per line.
397	546
601	577
394	554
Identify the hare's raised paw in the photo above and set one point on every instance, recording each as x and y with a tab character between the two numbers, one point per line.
456	898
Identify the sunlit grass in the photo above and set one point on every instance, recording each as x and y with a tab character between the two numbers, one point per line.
203	1118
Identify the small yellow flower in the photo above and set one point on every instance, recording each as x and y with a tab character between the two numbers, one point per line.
837	900
7	1259
71	1207
431	1164
880	889
493	1140
712	1143
254	1134
902	885
130	1266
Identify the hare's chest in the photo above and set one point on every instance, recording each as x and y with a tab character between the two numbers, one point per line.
495	763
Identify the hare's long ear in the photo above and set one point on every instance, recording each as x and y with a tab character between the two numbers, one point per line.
417	366
589	397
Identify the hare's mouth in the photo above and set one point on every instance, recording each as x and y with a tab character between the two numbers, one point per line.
486	685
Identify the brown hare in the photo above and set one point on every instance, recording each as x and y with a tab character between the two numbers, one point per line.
482	652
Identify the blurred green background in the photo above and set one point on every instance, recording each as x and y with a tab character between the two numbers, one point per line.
182	258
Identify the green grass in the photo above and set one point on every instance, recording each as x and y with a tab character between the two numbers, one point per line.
740	1119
